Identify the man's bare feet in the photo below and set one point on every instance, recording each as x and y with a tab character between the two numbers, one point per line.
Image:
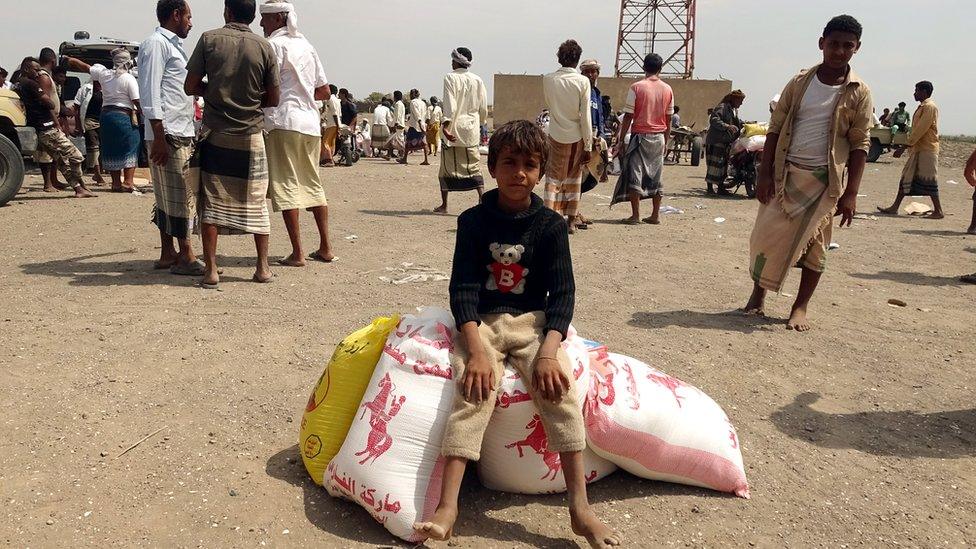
323	257
652	220
164	263
440	527
757	302
292	261
798	320
585	523
263	277
210	280
50	189
441	209
891	210
82	192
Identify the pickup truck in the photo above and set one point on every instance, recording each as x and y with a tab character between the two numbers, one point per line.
882	142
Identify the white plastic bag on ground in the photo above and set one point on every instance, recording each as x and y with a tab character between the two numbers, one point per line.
390	461
514	453
658	427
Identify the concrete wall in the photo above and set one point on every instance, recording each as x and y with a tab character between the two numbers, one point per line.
520	97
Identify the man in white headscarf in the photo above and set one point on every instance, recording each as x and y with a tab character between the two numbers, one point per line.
294	132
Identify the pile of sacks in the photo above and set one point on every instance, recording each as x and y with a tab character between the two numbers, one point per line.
752	139
372	430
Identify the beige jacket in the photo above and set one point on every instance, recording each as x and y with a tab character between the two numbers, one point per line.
850	126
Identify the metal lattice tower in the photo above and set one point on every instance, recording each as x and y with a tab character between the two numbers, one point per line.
665	27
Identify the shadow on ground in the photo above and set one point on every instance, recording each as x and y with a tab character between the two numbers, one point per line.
914	279
925	232
945	435
86	270
347	520
728	321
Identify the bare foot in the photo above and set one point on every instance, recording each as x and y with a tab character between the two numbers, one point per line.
653	220
210	280
756	304
425	163
442	209
49	189
292	261
598	535
164	263
327	257
798	320
888	211
263	276
82	192
441	525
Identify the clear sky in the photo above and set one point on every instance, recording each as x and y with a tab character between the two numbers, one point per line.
373	45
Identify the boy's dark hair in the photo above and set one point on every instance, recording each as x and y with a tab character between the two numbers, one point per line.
653	63
59	70
677	109
926	87
344	91
519	137
165	9
397	95
569	53
242	11
47	57
902	104
843	23
28	60
333	89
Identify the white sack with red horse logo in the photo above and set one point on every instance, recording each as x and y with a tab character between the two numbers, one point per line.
390	462
658	427
514	453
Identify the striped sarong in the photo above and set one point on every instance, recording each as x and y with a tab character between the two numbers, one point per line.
416	140
175	209
641	168
461	169
120	140
717	161
230	173
564	177
293	171
792	229
379	136
921	173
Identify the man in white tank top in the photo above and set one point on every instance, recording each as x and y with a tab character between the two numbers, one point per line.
819	129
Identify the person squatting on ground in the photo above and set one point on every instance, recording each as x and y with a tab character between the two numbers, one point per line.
168	112
416	139
293	136
567	95
465	107
515	314
647	118
229	166
821	126
724	127
119	128
41	115
920	176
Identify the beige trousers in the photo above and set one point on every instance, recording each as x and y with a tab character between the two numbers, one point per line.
512	340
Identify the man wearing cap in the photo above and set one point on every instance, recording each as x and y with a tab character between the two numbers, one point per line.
294	133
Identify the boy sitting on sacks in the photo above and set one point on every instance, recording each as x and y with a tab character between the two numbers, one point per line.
512	295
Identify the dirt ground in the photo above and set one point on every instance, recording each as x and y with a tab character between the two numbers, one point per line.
859	433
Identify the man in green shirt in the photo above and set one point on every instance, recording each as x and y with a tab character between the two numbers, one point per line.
899	120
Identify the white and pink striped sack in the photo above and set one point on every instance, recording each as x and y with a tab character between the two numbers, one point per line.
390	462
514	453
660	428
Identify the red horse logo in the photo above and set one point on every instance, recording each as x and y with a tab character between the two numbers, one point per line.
379	441
668	383
539	443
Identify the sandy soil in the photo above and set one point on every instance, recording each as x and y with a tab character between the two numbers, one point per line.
862	432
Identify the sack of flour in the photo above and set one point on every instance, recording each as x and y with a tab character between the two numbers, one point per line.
390	461
658	427
514	453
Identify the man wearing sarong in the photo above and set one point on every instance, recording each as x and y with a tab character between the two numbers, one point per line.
397	139
724	127
595	171
380	129
647	118
292	138
416	139
230	165
971	179
921	172
567	96
465	107
330	113
168	112
821	126
435	115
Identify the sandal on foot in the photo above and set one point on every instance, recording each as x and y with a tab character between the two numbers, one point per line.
209	286
284	262
197	268
314	256
268	280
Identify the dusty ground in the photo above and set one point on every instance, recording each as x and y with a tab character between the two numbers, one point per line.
862	432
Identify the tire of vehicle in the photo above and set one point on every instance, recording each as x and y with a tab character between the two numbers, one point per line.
874	153
11	170
696	151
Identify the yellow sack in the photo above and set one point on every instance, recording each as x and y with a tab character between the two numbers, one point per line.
335	400
749	130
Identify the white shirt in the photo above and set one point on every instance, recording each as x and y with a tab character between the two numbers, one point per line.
810	144
83	98
382	116
435	114
418	114
400	114
567	94
162	72
301	73
465	107
331	110
118	90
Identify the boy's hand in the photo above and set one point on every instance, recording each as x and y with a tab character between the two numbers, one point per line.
764	188
549	379
846	208
479	379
